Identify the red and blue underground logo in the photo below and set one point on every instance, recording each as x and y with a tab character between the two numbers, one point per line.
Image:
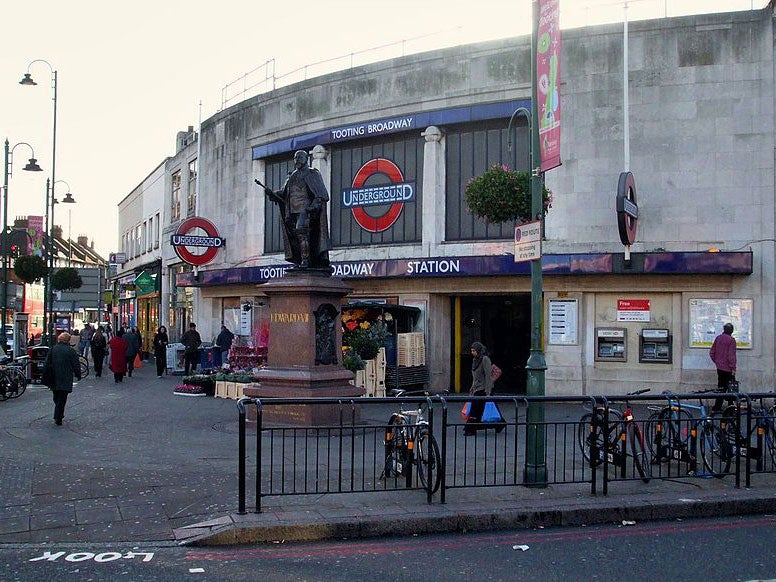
378	195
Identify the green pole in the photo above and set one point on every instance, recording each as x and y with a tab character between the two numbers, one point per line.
5	249
535	462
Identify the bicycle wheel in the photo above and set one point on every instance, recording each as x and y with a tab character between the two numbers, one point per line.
84	366
640	455
675	426
428	456
586	438
17	382
715	450
395	447
5	385
769	439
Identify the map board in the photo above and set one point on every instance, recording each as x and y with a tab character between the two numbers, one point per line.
707	316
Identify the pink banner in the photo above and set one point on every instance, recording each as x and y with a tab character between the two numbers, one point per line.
548	46
35	240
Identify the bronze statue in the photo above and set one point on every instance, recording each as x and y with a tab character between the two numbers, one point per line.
302	203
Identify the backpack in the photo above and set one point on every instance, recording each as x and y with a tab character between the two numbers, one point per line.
495	372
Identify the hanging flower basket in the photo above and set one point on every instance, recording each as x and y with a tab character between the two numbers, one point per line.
501	195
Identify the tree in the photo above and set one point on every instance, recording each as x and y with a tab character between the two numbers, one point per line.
30	268
66	278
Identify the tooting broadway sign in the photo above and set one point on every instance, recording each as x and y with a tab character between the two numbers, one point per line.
181	241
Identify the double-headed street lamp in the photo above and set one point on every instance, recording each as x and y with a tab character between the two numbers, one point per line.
32	166
47	295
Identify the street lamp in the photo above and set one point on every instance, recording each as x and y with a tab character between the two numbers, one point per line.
32	166
48	292
47	297
67	200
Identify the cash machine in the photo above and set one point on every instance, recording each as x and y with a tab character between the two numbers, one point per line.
611	344
655	346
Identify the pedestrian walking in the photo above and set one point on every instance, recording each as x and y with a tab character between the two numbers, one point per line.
59	369
84	341
482	385
191	340
118	356
108	331
723	354
223	344
160	350
99	346
133	348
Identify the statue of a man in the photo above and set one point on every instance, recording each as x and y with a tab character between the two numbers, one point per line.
302	203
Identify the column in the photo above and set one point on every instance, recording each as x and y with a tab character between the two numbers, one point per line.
433	190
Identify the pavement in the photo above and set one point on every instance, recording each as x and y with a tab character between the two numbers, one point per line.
135	463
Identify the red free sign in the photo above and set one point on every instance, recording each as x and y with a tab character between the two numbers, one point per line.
633	310
182	240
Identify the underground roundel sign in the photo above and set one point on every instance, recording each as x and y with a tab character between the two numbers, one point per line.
627	208
188	237
375	204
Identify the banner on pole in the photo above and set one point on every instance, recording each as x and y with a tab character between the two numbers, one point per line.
35	240
548	51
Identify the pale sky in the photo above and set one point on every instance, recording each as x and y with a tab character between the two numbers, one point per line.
131	75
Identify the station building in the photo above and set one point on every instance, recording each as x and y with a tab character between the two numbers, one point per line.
414	130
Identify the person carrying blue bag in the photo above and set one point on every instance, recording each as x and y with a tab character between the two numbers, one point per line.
480	413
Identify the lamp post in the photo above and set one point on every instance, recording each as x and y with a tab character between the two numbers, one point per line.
49	292
32	166
47	297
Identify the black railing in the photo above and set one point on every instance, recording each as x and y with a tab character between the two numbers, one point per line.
369	444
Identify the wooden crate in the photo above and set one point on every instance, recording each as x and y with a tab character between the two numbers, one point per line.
221	389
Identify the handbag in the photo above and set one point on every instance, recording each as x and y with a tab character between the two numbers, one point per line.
138	363
47	378
465	410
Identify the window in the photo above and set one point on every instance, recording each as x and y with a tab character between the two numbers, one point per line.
175	205
143	237
150	234
192	200
137	240
158	228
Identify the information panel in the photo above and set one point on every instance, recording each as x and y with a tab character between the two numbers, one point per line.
707	316
563	321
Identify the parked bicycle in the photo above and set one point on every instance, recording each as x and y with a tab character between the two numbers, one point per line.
84	363
762	430
602	438
13	377
682	431
409	443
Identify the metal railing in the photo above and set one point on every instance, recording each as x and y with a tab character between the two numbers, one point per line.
587	440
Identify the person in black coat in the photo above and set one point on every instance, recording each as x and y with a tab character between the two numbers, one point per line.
133	348
64	366
99	347
160	350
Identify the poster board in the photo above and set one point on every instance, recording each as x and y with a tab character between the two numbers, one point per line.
563	318
707	316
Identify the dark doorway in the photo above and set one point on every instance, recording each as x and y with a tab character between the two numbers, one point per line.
503	324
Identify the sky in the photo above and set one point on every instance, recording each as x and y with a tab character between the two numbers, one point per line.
131	75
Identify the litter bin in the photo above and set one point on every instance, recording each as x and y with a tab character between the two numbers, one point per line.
37	359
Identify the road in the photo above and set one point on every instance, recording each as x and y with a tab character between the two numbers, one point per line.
740	548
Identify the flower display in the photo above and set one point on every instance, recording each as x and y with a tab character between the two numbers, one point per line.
502	195
189	390
361	339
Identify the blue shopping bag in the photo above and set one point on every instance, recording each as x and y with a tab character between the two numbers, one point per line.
491	413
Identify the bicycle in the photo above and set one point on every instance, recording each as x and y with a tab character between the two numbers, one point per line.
673	433
13	377
84	363
740	438
408	442
605	439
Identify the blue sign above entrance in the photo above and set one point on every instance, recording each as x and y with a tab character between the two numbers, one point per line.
738	263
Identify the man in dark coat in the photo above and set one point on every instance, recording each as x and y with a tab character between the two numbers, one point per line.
224	344
191	340
302	203
133	348
64	363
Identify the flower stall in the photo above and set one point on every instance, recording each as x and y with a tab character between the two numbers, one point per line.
381	347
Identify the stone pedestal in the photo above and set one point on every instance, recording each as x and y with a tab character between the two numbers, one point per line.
304	359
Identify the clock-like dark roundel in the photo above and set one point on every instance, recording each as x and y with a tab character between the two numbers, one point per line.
627	208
